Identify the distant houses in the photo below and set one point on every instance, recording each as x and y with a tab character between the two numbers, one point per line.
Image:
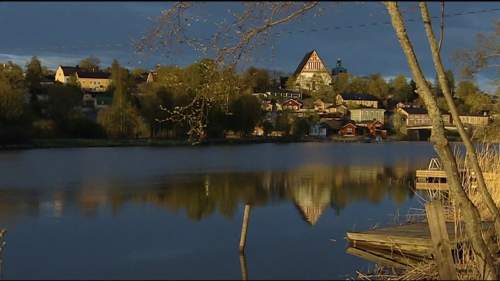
91	81
415	117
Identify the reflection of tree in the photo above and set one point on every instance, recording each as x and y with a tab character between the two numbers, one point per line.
312	188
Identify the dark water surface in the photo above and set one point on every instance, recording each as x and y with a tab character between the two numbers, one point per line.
166	213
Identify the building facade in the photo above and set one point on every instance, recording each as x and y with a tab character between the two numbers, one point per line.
91	81
357	100
312	73
361	115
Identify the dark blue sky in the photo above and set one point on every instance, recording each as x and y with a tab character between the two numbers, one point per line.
64	32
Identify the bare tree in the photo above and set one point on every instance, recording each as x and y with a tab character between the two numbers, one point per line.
471	152
472	219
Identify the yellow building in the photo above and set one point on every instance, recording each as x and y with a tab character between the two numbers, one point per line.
475	120
92	81
357	100
63	73
312	73
360	115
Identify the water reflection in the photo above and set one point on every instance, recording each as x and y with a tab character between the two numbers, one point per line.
312	188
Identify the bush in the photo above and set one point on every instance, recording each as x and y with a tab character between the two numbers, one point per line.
45	128
82	127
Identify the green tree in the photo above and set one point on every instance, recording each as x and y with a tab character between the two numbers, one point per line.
257	79
63	102
358	85
155	96
247	113
400	89
90	64
12	90
283	123
121	119
378	87
341	83
451	83
34	74
300	127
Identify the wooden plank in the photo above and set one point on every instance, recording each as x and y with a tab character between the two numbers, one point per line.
412	238
442	174
440	241
430	174
431	186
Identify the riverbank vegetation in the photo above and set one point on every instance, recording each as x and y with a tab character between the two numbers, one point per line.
218	98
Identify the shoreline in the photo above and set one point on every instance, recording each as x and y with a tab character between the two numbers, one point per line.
81	143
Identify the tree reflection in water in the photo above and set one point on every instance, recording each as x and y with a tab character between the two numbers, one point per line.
312	189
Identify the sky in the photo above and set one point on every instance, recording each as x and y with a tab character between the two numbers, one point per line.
62	33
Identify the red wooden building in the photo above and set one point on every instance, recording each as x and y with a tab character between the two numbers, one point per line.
348	130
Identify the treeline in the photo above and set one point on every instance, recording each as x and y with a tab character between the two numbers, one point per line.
141	109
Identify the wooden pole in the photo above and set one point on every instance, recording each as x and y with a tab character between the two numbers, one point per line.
244	227
243	267
440	241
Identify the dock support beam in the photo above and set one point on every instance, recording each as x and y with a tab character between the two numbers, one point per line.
440	241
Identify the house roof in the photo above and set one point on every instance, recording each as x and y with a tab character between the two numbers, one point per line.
415	110
303	62
94	75
69	70
349	122
368	109
292	100
358	96
305	59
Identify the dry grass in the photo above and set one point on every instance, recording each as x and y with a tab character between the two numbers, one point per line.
467	267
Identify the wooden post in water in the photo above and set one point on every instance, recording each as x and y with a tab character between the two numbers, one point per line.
440	241
244	227
243	267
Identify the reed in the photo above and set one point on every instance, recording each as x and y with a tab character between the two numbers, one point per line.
465	261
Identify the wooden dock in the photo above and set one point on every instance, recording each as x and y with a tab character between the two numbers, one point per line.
411	239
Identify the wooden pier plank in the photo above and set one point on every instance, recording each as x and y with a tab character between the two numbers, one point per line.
410	238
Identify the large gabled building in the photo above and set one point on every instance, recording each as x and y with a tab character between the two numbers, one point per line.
312	74
91	81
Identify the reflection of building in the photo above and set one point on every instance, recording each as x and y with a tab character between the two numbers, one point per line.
311	201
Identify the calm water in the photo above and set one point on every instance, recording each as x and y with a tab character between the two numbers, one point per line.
166	213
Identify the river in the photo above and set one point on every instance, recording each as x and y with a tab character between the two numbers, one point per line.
175	213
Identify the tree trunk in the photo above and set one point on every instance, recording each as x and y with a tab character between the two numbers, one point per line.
471	152
471	215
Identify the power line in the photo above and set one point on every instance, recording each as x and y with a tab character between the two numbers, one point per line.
364	25
122	46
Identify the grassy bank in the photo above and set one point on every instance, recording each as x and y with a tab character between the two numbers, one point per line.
75	142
